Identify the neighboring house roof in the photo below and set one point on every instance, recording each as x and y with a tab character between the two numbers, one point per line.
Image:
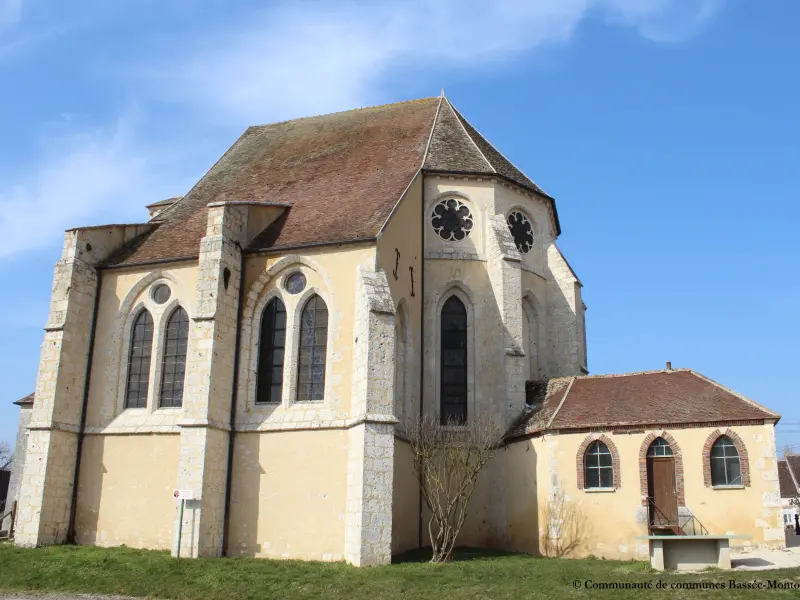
793	462
786	482
339	175
26	400
673	397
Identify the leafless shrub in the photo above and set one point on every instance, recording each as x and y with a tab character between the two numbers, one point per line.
447	460
6	456
563	525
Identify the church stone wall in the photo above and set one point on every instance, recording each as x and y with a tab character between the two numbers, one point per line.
125	491
288	496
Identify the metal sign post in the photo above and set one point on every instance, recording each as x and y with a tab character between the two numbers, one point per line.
183	496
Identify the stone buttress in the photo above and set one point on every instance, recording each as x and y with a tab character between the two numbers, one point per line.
205	428
370	468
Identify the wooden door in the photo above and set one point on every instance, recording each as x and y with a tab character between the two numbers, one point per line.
661	480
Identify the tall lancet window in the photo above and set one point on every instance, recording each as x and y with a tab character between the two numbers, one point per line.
175	345
313	346
139	361
270	353
454	362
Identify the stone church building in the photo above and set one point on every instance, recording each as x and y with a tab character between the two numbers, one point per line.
257	340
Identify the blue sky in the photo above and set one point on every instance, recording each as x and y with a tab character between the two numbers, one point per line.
667	130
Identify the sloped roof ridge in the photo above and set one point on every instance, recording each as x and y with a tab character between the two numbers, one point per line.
492	168
342	112
491	145
430	133
166	213
634	373
560	404
734	393
795	479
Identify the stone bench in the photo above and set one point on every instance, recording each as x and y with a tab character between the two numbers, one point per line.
690	552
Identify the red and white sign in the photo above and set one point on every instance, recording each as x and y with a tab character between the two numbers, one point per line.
183	494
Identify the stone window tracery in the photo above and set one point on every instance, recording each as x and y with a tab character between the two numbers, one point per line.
521	230
452	220
176	342
139	356
271	348
453	407
313	348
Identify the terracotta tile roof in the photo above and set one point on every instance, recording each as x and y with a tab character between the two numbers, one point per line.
340	176
793	461
679	396
786	482
26	400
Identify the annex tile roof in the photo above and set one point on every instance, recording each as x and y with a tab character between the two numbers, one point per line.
673	397
339	175
786	481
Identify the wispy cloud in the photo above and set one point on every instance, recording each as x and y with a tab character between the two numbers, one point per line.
10	12
80	176
292	60
309	58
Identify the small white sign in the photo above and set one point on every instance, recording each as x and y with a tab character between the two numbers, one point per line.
183	494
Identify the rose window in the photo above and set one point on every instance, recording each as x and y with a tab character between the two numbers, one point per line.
521	231
451	220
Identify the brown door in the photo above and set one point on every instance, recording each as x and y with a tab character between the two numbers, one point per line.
661	481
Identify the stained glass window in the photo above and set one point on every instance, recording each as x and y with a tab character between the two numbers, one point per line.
451	220
175	345
598	466
270	353
454	362
313	347
295	283
725	465
161	293
139	361
521	230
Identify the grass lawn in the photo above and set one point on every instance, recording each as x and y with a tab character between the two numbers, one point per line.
474	574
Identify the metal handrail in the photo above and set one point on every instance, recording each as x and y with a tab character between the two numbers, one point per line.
688	521
12	512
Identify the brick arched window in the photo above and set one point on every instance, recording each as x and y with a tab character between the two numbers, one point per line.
176	342
271	348
313	350
139	355
676	454
725	458
597	464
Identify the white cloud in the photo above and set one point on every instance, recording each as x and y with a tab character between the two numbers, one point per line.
308	58
83	176
10	12
294	60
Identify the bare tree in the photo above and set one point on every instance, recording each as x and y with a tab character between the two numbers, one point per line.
6	456
447	460
562	525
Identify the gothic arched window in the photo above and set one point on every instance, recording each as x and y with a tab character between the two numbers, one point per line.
139	361
270	352
598	466
454	362
313	347
725	464
176	342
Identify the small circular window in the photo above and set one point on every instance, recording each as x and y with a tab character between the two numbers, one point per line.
451	220
161	293
295	283
521	231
